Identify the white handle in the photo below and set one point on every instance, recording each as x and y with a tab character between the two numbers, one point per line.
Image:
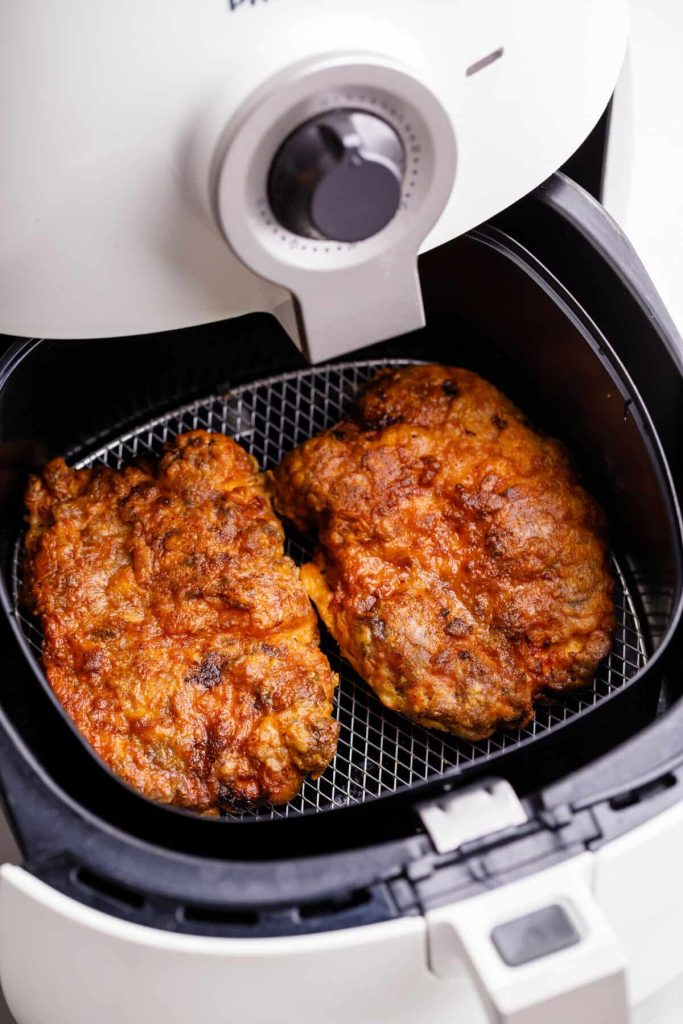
584	981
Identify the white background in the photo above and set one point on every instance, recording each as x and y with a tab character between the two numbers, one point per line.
644	182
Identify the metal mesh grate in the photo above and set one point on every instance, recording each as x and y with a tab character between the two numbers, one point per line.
379	751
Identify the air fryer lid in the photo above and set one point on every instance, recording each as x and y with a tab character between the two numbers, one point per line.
494	308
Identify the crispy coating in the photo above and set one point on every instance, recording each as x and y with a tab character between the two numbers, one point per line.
461	567
178	636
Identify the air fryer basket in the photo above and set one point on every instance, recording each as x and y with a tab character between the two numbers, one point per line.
379	751
494	307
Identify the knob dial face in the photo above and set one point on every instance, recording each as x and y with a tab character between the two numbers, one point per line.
338	176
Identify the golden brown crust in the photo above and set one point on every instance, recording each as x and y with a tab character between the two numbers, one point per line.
461	567
178	636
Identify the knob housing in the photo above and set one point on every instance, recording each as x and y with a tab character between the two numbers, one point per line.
344	296
338	176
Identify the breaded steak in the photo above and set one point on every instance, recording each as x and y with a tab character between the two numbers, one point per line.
178	636
461	567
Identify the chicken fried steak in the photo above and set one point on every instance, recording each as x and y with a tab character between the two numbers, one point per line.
178	636
461	566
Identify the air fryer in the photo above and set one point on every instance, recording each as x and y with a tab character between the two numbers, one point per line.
550	304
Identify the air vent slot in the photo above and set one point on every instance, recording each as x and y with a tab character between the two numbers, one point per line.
326	908
642	793
106	887
220	915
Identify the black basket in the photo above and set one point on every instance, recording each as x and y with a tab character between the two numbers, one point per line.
379	752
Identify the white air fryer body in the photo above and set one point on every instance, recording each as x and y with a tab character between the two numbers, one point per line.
136	141
65	963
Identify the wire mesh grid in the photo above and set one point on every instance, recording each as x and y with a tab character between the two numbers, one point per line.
379	752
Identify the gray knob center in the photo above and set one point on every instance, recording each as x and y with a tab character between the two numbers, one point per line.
338	177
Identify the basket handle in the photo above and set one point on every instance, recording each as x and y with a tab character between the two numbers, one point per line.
539	950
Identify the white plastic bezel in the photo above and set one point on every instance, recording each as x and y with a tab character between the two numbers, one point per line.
357	286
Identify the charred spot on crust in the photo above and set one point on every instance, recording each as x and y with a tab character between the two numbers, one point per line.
450	388
230	799
430	471
494	544
498	421
142	488
208	673
103	633
382	422
378	627
464	655
215	745
456	626
260	702
93	662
